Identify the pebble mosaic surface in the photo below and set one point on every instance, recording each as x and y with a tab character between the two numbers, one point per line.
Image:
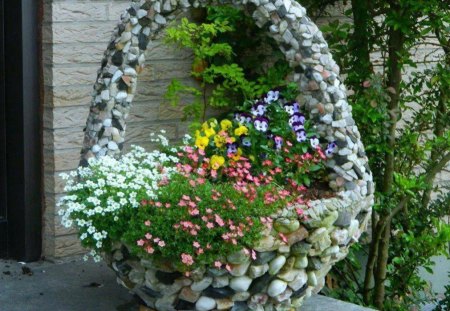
284	273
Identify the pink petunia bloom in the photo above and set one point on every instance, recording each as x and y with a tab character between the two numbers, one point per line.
140	242
187	259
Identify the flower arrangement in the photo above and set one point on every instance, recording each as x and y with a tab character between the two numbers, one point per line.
199	203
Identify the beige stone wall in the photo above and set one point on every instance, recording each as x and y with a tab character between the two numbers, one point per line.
75	35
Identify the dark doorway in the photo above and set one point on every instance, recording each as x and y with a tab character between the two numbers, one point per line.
20	131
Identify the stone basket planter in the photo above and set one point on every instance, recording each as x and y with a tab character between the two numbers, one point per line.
285	272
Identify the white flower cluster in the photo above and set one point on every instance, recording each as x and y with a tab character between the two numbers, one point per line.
100	192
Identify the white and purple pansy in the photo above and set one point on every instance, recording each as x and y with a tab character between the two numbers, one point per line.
301	136
232	148
261	124
297	126
245	141
243	117
278	142
331	148
292	108
272	96
259	109
314	142
297	117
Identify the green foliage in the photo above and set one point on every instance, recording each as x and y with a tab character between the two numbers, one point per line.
226	63
213	200
404	124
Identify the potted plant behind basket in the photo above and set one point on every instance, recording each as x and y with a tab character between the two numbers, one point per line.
225	220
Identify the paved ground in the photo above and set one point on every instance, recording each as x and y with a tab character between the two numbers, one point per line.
85	286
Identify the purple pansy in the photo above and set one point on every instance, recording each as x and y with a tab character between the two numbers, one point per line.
232	148
259	109
314	142
261	124
301	136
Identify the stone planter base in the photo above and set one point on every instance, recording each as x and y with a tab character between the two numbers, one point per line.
292	261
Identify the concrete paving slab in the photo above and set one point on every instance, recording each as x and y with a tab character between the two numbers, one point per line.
86	286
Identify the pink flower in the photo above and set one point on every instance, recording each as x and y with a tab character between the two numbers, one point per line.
148	236
228	267
150	250
192	183
140	242
200	251
219	220
200	181
187	259
213	173
158	204
209	225
196	244
217	264
167	205
253	254
185	197
188	149
283	237
156	240
147	223
161	243
194	212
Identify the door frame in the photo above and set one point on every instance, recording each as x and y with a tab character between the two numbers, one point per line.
23	123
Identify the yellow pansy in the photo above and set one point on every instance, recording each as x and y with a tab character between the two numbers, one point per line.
219	140
238	154
217	161
209	132
241	130
225	124
201	142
